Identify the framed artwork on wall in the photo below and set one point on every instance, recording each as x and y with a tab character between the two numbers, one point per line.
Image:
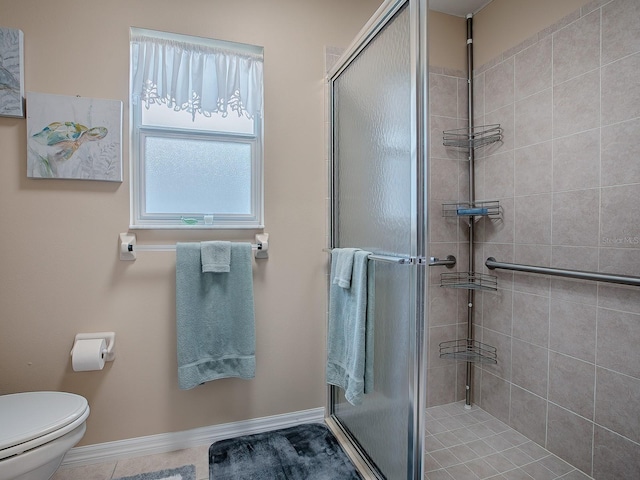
11	72
74	137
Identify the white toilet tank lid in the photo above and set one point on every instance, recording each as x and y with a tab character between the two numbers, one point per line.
27	416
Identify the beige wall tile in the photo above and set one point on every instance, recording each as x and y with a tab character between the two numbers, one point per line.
571	384
498	171
494	396
572	329
502	343
576	104
533	254
618	403
618	334
533	169
531	283
442	388
504	116
576	291
614	457
576	48
575	219
531	318
575	258
533	219
620	217
533	119
623	261
501	230
533	69
621	90
497	310
526	411
620	30
529	367
499	90
443	95
570	437
620	153
576	161
619	297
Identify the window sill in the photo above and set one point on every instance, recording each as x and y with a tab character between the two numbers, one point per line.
197	227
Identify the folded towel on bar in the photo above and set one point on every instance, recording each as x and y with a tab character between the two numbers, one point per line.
215	256
341	276
214	317
350	331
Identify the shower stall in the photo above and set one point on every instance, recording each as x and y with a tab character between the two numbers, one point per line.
379	172
551	252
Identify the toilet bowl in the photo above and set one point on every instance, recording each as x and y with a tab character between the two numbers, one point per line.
37	430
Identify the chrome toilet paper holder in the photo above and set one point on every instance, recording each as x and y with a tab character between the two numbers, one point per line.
109	338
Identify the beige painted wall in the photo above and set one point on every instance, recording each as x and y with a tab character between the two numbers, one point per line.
447	41
58	249
503	24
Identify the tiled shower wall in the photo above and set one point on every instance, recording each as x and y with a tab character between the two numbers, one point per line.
448	182
567	175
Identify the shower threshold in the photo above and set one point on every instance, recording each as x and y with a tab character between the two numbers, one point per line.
470	444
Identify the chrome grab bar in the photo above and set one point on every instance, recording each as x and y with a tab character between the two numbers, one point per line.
448	262
491	263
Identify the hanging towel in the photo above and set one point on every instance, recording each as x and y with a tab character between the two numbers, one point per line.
215	317
341	275
350	331
215	256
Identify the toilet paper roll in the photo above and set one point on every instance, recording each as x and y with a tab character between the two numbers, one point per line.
87	355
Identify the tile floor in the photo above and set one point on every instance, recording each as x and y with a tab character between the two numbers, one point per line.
460	444
198	456
463	444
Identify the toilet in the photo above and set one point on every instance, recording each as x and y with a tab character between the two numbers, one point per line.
37	429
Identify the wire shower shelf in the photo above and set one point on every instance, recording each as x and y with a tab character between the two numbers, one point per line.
489	208
479	136
469	351
469	280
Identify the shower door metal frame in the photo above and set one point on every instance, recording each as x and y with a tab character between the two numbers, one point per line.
418	12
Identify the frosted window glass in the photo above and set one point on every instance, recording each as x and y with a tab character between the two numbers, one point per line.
186	176
160	116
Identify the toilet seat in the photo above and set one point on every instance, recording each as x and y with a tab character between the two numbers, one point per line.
32	419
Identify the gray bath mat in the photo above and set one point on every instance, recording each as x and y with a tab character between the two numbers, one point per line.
303	452
186	472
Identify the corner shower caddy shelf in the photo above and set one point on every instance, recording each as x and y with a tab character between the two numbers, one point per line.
469	281
479	136
489	208
469	351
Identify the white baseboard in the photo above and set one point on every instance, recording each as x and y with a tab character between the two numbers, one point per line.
168	442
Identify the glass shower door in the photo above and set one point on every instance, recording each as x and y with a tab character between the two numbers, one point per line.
377	182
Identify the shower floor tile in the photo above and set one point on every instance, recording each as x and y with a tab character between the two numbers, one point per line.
470	444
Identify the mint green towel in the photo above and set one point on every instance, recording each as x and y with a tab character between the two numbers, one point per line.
341	274
350	331
215	256
214	317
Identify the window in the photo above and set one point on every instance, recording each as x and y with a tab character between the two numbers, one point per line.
196	117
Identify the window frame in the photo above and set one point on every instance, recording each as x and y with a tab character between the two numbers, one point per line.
140	219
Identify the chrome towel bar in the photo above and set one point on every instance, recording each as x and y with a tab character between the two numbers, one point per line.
491	263
129	247
449	262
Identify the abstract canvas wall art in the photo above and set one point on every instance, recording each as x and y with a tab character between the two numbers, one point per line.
74	137
11	72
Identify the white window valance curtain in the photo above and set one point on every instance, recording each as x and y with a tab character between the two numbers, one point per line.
188	73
